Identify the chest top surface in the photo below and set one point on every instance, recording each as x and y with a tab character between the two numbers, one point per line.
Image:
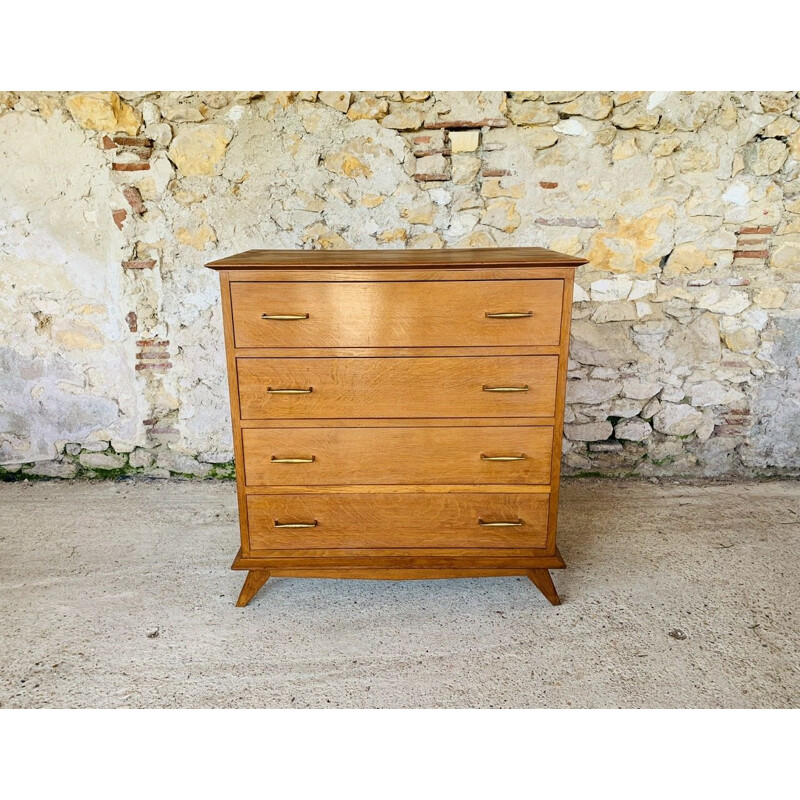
495	257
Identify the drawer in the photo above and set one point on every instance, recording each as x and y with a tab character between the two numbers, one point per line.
397	387
397	314
397	520
365	456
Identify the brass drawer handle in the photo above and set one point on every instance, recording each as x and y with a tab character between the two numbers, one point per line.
284	316
520	457
300	460
509	314
524	388
510	524
270	390
278	524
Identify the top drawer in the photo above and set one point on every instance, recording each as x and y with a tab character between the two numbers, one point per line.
397	314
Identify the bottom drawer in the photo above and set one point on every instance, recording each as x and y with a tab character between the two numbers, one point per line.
322	521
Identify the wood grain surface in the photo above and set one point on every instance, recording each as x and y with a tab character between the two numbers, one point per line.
388	387
396	348
400	314
371	520
397	455
456	257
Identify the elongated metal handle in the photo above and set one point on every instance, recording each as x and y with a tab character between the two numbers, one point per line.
501	524
509	314
270	390
524	388
520	457
296	460
279	524
284	316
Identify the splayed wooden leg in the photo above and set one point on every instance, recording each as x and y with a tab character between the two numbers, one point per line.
255	579
544	583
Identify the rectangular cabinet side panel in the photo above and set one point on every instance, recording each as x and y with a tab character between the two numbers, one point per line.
561	395
233	386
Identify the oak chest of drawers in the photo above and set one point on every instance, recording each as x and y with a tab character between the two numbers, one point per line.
397	413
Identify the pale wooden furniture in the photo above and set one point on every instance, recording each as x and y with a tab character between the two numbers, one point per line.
397	413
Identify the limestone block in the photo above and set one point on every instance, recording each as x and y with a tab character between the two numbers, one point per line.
602	345
102	461
559	97
609	289
392	235
794	146
477	239
198	237
672	394
614	312
351	160
531	113
713	393
634	117
140	458
626	408
677	419
199	149
740	338
324	238
666	146
104	111
464	141
784	257
465	169
634	244
415	97
403	118
623	98
182	112
733	303
368	108
51	469
684	111
765	157
651	409
591	391
625	148
426	241
633	430
501	214
771	297
571	127
640	390
540	138
782	126
589	431
340	101
593	105
642	289
181	464
435	165
422	214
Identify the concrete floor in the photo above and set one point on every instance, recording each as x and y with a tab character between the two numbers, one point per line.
119	595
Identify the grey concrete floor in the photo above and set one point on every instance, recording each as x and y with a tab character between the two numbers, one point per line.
119	595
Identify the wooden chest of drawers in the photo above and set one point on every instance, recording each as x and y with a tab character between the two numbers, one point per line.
397	413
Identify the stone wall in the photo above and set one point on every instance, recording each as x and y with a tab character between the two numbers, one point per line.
686	321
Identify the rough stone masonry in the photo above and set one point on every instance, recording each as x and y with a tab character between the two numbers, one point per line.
686	328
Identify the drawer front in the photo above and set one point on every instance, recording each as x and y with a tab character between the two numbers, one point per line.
322	388
397	314
366	456
397	520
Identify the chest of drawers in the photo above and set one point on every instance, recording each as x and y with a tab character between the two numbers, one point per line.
397	414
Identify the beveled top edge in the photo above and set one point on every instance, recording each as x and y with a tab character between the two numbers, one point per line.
405	259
